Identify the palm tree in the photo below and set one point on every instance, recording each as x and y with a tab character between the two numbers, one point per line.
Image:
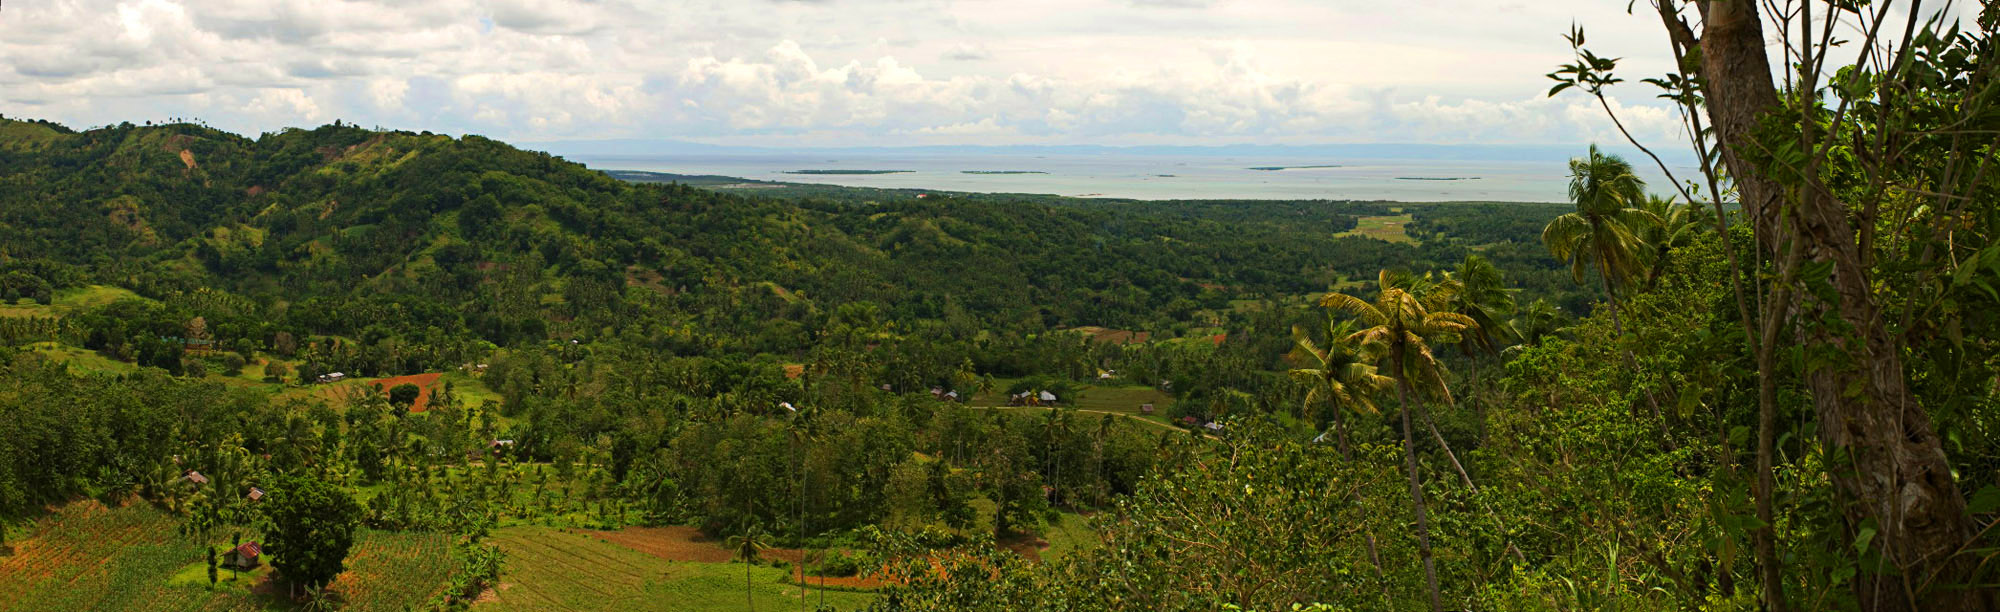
1604	230
1341	376
747	546
1478	291
1535	321
1400	322
1674	224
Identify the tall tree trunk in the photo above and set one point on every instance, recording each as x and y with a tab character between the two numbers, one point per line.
1898	477
1618	327
1340	432
802	526
1466	478
1416	484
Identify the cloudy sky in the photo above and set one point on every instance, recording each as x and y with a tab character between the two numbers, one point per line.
825	72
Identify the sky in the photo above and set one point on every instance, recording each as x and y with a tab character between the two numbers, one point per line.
839	72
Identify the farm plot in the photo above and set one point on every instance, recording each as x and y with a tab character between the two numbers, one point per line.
394	571
90	557
557	569
87	556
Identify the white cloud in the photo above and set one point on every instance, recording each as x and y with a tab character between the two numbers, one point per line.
769	72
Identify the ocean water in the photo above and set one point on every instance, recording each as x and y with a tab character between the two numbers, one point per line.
1147	177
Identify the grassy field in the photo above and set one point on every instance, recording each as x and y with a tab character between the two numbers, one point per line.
1126	400
68	301
86	556
1388	228
1068	534
81	360
552	569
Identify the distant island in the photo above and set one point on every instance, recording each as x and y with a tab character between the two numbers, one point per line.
846	171
1277	168
1437	178
1002	172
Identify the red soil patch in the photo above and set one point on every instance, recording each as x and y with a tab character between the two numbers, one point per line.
1026	545
688	544
424	382
670	543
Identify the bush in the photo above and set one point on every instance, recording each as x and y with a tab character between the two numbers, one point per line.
232	364
839	564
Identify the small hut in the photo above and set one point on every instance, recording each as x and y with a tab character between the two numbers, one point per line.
243	557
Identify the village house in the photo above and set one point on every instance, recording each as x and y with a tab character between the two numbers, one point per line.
243	557
196	478
256	494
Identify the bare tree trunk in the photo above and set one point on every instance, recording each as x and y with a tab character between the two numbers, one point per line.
1467	479
1374	554
1898	476
1416	483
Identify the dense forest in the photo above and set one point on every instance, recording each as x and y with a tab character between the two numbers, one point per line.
1771	385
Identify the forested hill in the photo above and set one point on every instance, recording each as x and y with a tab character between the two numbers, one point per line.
371	234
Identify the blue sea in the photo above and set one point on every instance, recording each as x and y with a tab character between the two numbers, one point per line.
1148	177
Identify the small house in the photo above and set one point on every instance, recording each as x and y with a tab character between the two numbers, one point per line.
951	396
1046	398
256	494
196	477
1145	408
1214	426
937	392
243	557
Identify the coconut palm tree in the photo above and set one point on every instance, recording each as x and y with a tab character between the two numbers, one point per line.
1401	322
1342	376
1339	375
1674	225
1538	319
747	546
1605	229
1478	291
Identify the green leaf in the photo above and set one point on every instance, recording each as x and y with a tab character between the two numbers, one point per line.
1985	501
1866	536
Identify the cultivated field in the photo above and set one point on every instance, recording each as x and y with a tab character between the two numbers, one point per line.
558	569
86	556
1388	228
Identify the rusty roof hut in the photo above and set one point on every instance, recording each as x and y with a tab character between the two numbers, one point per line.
243	557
